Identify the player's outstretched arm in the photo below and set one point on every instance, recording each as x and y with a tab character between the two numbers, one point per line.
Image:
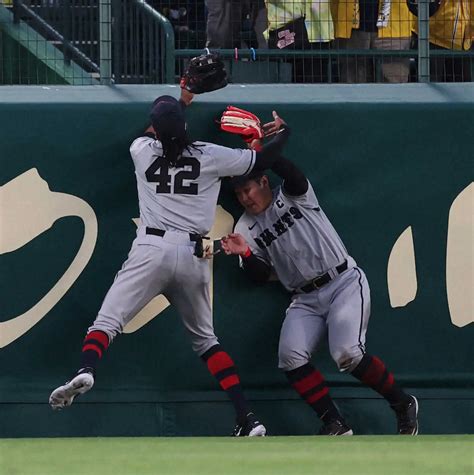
272	150
295	182
273	127
234	244
186	97
255	269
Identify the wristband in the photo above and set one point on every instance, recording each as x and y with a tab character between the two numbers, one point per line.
247	253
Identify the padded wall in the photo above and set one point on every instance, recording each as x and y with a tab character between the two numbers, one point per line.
381	158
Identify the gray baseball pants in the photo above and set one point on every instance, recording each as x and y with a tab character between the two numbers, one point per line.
340	310
161	265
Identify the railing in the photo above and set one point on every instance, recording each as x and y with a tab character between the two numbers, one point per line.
142	43
167	39
327	62
71	52
138	41
114	41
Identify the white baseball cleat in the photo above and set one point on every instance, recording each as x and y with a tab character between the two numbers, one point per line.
250	427
64	395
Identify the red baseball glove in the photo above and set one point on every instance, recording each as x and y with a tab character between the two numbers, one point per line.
241	122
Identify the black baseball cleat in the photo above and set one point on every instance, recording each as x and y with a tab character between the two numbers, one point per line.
407	417
336	427
251	427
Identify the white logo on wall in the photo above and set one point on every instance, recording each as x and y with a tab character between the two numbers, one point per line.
401	268
28	196
29	208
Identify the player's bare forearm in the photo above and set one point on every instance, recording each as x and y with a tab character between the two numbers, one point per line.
150	130
255	144
272	150
186	97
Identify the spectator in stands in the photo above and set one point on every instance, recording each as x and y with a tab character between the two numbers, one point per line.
451	28
306	25
372	24
226	18
187	18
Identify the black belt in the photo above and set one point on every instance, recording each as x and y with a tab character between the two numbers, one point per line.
196	238
318	282
161	233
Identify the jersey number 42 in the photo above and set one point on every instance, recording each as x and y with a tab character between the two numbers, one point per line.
159	172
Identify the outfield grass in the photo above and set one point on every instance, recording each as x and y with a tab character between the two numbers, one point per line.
364	455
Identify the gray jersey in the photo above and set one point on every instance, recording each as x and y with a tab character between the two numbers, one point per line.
295	237
184	198
178	200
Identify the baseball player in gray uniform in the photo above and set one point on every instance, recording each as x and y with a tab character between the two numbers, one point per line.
178	183
285	231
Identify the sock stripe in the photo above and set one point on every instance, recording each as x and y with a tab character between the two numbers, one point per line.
95	348
230	381
219	361
93	342
314	390
310	385
375	373
222	367
317	396
387	387
220	375
382	381
309	382
99	337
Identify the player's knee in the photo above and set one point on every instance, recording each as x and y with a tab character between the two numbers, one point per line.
108	326
347	358
203	344
289	358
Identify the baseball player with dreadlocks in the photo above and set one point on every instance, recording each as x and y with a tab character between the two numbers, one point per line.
285	231
178	184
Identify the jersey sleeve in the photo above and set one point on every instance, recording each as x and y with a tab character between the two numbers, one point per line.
231	161
306	200
139	144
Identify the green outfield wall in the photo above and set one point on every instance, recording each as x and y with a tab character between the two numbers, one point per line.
393	169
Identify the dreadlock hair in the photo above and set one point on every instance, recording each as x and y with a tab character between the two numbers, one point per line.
173	148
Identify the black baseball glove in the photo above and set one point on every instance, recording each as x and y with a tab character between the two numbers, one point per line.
205	73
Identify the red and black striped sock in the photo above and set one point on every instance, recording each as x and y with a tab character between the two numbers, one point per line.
95	344
373	372
310	385
221	365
